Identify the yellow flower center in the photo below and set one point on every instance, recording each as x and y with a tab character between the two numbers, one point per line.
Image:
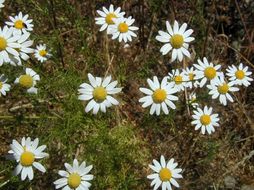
27	158
165	174
43	53
123	27
178	79
205	119
159	95
19	24
191	76
176	41
74	180
1	85
99	94
3	43
223	89
26	81
239	74
210	73
109	19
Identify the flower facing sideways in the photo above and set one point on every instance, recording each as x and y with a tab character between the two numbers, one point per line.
4	87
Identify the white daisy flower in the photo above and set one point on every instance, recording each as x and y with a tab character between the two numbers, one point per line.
26	154
123	29
20	23
41	53
1	3
8	45
178	79
160	96
176	39
75	177
4	87
240	75
205	120
193	100
24	50
99	93
107	15
165	174
29	80
206	71
191	78
220	88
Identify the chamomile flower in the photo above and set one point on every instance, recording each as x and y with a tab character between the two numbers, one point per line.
123	29
193	100
160	96
99	93
191	78
24	50
176	39
26	154
240	75
75	177
41	53
178	79
219	88
20	23
165	174
205	120
1	3
206	71
107	15
29	80
8	44
4	87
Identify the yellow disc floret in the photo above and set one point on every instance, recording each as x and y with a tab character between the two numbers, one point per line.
109	19
99	94
191	76
210	73
19	24
1	85
205	119
239	74
223	89
27	158
26	81
165	174
74	180
123	27
178	79
3	43
159	95
43	53
176	41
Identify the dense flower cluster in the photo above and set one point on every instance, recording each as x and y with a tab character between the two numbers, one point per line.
161	95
